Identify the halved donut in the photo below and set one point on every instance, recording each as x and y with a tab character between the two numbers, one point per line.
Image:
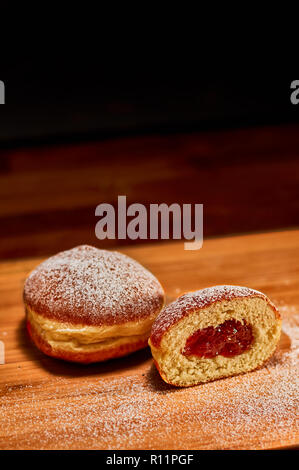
213	333
88	305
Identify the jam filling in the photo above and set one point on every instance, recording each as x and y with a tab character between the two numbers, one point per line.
228	339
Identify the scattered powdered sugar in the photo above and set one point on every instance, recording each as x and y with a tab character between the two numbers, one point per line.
255	410
92	286
193	301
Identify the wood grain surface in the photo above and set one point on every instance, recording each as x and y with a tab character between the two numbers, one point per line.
247	179
123	404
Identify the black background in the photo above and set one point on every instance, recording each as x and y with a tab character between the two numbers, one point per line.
49	98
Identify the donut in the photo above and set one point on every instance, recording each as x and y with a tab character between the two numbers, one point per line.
88	305
213	333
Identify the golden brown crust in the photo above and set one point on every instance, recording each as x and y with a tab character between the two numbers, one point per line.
89	286
196	301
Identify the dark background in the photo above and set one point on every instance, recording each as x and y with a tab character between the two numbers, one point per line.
75	133
75	99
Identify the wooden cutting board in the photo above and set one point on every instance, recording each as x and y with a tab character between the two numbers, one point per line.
123	403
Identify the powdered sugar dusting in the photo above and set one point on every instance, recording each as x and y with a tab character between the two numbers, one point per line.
92	286
193	301
256	410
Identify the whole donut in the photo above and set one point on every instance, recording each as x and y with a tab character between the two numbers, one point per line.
88	305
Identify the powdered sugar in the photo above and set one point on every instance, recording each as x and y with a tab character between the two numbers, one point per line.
193	301
256	410
92	286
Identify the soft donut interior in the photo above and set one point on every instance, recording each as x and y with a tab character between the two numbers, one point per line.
261	331
87	338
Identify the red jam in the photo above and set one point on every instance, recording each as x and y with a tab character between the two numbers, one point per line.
228	339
